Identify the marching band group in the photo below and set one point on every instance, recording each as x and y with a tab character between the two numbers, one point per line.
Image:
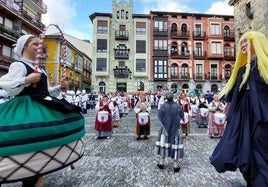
205	109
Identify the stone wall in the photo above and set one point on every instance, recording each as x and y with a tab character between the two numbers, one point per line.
244	23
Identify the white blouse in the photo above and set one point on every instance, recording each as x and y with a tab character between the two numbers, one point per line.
14	81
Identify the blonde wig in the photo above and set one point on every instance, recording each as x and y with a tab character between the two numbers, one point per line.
258	44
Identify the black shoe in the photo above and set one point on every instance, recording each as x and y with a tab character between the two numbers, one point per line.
145	137
138	138
177	169
160	166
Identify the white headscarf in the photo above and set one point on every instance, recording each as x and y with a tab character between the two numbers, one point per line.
20	44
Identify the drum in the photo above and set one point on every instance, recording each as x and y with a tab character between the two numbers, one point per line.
143	118
203	112
219	119
186	119
194	110
102	116
125	104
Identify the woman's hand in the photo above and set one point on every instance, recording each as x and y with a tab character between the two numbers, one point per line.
32	78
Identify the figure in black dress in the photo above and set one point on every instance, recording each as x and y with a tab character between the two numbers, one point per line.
244	143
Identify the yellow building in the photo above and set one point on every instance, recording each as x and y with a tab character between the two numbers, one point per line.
55	62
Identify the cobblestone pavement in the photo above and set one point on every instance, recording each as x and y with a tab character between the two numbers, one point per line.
127	162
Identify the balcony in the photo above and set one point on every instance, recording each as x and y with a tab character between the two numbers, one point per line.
21	12
121	53
122	72
10	33
229	36
182	76
199	77
179	34
197	35
199	55
181	55
160	32
229	56
214	77
121	35
35	5
5	61
216	56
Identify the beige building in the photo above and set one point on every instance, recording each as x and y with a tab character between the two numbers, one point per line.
250	15
121	56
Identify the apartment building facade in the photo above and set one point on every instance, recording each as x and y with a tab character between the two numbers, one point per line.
78	63
121	56
191	51
16	19
161	50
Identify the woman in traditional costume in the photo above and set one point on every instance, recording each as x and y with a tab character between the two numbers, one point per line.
244	143
39	133
142	110
216	122
170	138
103	121
202	117
185	105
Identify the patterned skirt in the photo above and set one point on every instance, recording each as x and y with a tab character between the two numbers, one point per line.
37	140
169	147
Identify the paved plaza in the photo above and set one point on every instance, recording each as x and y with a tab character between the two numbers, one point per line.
127	162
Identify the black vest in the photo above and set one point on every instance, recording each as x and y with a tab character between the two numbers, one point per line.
40	88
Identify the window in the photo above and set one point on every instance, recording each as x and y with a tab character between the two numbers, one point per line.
160	26
160	45
6	51
197	30
174	70
216	48
102	27
198	49
122	30
140	28
101	45
227	50
140	46
226	31
117	14
101	64
184	30
199	69
214	70
249	11
122	14
184	70
160	69
140	65
227	71
126	14
215	29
